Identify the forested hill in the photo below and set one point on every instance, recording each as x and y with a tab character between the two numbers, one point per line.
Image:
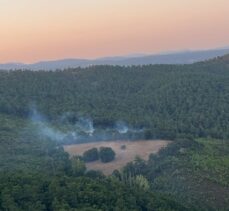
168	101
164	101
218	60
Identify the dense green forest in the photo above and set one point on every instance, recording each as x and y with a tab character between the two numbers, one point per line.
36	174
169	100
185	103
195	171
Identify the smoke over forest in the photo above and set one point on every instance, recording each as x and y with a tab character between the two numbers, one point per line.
69	129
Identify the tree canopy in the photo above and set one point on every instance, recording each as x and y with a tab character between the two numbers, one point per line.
168	101
106	154
186	103
91	155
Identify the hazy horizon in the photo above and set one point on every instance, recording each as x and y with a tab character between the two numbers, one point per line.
126	56
34	31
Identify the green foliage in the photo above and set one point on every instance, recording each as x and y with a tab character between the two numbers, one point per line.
78	166
194	172
36	174
91	155
21	149
135	167
170	101
37	192
106	154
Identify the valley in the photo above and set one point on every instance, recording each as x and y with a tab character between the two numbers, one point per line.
186	104
114	105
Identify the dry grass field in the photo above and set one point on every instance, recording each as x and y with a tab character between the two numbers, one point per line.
123	156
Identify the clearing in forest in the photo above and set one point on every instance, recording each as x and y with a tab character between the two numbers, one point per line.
123	156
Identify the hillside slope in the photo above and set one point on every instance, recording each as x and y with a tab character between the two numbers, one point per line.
194	172
180	102
167	101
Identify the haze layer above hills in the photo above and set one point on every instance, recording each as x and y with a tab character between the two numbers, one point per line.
185	57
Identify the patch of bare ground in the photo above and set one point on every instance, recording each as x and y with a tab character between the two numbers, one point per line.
123	156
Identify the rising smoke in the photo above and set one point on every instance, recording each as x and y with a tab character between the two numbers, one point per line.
85	125
72	129
42	127
122	127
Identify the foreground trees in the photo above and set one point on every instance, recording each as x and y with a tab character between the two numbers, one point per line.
39	192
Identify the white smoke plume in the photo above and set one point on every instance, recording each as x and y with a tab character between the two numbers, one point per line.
85	125
75	129
122	127
41	125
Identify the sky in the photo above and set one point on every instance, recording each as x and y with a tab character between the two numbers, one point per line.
35	30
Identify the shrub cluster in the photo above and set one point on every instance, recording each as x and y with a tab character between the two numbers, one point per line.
105	154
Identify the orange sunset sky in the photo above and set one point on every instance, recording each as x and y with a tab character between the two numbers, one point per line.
33	30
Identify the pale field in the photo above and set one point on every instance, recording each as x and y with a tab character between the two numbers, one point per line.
133	149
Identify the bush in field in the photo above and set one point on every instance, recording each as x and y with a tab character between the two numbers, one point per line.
91	155
106	154
123	147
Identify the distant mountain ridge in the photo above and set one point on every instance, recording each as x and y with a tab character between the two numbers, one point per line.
185	57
